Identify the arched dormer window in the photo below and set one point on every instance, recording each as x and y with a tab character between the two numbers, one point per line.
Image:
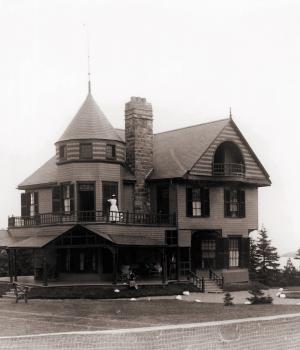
228	160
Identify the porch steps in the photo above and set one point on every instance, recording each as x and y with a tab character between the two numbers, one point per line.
211	286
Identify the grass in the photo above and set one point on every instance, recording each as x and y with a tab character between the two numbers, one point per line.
47	316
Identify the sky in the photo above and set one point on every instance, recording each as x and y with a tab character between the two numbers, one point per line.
191	59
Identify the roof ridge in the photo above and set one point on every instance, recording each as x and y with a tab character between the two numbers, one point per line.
192	126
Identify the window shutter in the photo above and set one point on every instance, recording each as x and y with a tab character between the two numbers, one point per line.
226	203
241	199
72	207
36	203
205	201
245	252
220	256
25	204
56	199
189	200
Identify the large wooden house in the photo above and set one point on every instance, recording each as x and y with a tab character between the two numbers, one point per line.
187	200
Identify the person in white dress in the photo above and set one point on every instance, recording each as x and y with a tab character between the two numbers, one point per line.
113	210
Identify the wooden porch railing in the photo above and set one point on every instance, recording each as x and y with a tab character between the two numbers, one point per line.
121	217
228	169
215	277
197	281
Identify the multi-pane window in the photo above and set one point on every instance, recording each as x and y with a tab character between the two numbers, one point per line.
66	198
63	152
171	237
63	198
110	151
86	151
197	201
29	203
234	252
32	205
234	203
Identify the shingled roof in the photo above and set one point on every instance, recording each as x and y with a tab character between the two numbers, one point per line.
90	123
176	151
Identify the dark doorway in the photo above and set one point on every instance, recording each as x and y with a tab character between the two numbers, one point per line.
108	189
86	201
204	250
163	199
78	260
171	256
107	261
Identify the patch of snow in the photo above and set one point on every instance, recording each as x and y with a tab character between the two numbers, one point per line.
247	302
186	292
179	297
282	295
116	291
198	301
132	299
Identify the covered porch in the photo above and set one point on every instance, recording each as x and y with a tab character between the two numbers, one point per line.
80	255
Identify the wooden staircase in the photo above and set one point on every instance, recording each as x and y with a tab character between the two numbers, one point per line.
207	281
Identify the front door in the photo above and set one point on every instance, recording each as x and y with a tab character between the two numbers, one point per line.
208	254
78	260
86	201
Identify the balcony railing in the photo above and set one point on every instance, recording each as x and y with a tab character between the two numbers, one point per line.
121	217
228	169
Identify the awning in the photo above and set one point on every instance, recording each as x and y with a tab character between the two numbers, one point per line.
125	239
44	236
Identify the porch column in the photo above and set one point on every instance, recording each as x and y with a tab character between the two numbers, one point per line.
178	264
45	272
10	265
164	266
115	265
15	265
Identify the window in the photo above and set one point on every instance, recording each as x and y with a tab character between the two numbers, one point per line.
29	203
234	252
171	237
197	202
67	199
110	151
63	152
86	151
63	199
234	203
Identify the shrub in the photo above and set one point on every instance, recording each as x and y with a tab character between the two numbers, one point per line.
258	296
228	298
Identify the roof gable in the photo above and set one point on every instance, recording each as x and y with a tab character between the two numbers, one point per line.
90	123
253	167
175	152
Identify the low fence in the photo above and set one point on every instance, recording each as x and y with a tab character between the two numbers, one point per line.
274	332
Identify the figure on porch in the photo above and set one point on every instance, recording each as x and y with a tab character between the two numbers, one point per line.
132	280
114	215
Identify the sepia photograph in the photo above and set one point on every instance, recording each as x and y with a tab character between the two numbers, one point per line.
149	174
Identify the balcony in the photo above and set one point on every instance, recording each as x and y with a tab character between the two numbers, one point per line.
122	217
228	169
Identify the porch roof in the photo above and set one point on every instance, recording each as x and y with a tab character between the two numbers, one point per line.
124	239
7	239
44	236
47	234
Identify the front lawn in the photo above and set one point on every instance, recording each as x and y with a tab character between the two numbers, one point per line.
46	316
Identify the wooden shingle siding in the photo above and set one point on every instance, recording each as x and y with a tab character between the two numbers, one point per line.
216	220
99	150
95	172
204	165
45	200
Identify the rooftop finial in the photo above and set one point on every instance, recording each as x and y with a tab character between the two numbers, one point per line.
230	114
88	57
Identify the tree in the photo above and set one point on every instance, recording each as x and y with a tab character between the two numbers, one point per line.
297	254
289	272
268	265
253	260
258	296
228	298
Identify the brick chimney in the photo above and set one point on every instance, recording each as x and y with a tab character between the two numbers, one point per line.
139	147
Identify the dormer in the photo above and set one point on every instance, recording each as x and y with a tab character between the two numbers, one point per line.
90	138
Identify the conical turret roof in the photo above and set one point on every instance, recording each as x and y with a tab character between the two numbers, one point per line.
90	123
